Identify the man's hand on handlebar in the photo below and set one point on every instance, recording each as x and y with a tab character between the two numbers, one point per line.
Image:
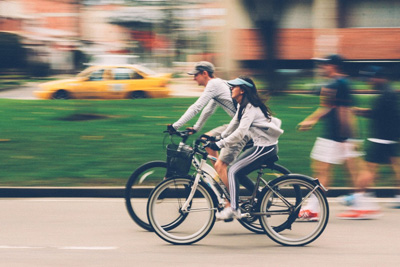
171	129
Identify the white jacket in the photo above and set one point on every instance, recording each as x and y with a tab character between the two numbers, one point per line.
263	131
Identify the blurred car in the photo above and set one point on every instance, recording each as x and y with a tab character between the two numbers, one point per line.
108	82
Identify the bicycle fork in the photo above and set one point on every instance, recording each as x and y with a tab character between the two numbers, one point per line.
200	173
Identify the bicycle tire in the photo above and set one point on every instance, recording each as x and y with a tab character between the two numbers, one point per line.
299	233
252	223
140	180
166	201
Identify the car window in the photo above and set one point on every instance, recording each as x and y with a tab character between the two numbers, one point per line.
125	74
96	75
145	70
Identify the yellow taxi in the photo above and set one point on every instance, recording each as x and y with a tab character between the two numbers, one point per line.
108	82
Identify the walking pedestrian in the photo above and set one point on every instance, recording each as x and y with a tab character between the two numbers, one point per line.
336	145
382	144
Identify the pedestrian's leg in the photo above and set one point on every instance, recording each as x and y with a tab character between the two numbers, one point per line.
365	176
362	205
395	161
322	171
309	210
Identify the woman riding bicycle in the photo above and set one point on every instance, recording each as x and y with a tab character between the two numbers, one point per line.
252	118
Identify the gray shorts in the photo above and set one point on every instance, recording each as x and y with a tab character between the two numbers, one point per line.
229	154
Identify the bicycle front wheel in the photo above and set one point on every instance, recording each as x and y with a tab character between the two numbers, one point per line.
137	190
280	205
165	205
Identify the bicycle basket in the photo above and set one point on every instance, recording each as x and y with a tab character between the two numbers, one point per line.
179	162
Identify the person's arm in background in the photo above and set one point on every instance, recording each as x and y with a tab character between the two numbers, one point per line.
326	99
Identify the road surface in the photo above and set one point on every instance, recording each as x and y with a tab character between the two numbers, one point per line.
99	232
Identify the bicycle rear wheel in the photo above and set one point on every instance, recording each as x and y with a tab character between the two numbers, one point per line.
281	207
165	205
252	223
138	188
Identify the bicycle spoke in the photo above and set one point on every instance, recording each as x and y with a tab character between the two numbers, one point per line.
196	222
280	209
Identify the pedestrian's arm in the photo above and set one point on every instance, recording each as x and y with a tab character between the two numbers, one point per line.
326	103
363	112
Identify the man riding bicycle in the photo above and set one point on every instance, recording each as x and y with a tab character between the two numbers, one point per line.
216	93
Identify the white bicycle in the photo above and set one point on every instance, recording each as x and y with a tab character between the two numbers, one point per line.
181	209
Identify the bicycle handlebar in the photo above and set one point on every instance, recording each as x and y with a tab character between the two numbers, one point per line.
185	134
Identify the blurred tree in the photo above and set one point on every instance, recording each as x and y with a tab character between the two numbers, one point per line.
12	53
265	15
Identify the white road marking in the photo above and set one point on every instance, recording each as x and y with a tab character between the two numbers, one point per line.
71	248
19	247
89	248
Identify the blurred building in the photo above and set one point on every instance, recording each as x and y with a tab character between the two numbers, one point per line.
49	29
360	30
234	34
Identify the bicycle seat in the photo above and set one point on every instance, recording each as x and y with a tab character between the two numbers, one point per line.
270	161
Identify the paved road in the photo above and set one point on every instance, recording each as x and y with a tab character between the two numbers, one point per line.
98	232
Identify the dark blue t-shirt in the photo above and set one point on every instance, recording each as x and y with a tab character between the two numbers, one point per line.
385	115
339	97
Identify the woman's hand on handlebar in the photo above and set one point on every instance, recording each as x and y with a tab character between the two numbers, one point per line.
191	130
210	138
213	146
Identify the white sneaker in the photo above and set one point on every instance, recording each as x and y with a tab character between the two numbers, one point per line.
228	214
347	200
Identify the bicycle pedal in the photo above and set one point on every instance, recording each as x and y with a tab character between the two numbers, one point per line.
228	220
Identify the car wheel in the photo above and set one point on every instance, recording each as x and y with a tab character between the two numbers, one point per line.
61	94
137	94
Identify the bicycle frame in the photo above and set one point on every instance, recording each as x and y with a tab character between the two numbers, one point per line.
206	173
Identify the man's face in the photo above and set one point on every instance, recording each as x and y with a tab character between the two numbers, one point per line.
375	81
328	69
201	78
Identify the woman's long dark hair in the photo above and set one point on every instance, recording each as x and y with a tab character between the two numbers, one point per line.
251	96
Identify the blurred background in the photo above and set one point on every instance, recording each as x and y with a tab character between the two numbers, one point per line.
274	41
271	39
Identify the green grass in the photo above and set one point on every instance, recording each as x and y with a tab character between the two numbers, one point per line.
40	145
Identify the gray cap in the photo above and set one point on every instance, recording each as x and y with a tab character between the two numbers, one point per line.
202	66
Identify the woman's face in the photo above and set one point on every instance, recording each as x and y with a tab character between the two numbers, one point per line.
237	93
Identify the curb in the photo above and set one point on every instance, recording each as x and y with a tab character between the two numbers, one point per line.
119	192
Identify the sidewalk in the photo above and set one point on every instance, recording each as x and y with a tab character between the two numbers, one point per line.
118	192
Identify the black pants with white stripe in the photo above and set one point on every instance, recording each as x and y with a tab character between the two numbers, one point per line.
247	162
